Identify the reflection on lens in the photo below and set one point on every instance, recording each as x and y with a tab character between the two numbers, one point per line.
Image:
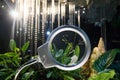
67	48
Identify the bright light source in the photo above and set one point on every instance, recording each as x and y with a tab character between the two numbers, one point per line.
13	13
83	12
84	8
48	32
75	12
2	6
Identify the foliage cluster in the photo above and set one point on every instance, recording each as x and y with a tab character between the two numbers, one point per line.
11	61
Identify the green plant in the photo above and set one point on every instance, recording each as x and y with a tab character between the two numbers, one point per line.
56	74
10	61
102	64
105	60
68	56
103	75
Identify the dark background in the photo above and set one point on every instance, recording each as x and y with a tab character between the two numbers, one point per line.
93	31
5	27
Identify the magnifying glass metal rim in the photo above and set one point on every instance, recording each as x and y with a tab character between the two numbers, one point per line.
85	39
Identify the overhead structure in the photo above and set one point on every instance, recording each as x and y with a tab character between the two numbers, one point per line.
37	17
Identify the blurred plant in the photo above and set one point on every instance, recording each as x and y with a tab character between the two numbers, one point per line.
102	66
56	74
103	75
69	56
10	61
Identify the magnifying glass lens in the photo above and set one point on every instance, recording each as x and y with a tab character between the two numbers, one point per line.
67	48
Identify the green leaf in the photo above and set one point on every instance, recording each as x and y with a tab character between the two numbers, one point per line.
27	75
9	77
9	58
49	74
68	49
77	51
12	45
66	77
25	46
10	54
59	53
105	60
66	60
53	49
2	56
103	75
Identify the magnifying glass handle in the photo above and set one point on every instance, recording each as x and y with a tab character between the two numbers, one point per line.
30	62
44	56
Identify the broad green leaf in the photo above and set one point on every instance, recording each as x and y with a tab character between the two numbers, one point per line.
105	60
66	77
12	45
103	75
25	46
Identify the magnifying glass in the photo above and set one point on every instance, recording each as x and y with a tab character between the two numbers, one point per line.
67	48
